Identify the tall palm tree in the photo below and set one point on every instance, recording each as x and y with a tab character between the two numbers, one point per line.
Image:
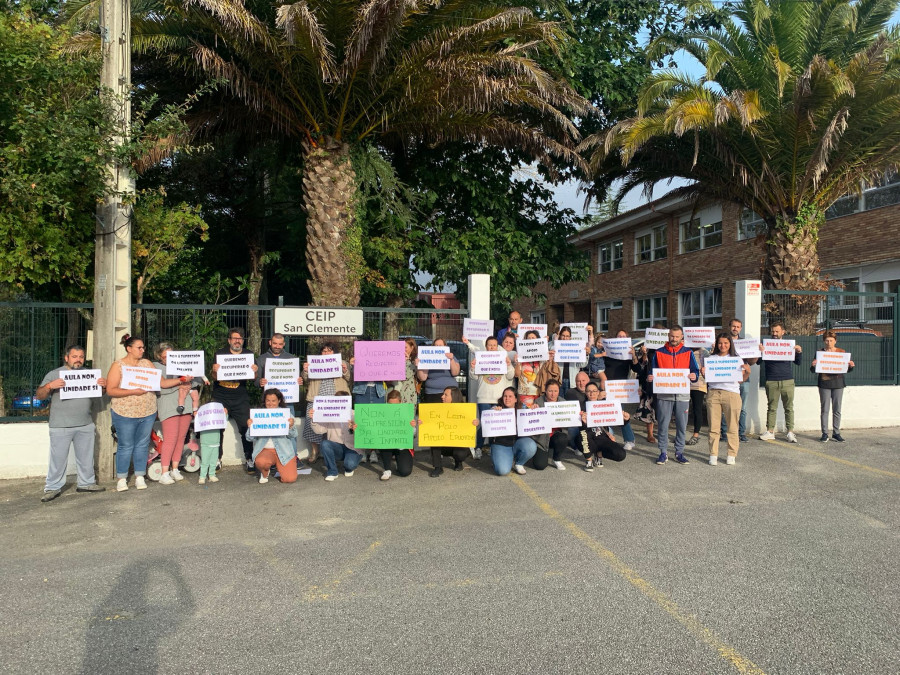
334	73
799	104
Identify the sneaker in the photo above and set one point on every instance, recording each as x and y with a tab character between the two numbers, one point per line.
589	465
122	485
373	457
628	446
693	440
680	458
790	437
823	438
559	465
218	466
767	436
662	459
166	479
263	480
140	483
458	466
386	475
478	453
213	479
713	460
93	487
348	473
251	467
837	437
50	495
434	473
743	439
176	474
598	462
519	469
330	478
729	460
201	481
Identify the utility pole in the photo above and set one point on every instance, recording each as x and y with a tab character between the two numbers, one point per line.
112	257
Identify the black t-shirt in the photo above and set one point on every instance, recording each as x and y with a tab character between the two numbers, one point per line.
230	387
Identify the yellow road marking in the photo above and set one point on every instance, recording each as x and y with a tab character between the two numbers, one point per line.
689	621
324	591
839	460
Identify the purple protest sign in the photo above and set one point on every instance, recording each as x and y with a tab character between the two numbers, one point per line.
379	360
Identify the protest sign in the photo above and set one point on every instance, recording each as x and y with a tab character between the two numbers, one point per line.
671	381
623	391
532	350
384	426
447	425
491	363
328	409
617	348
282	369
696	337
724	369
209	417
564	413
569	351
539	328
140	378
379	360
747	348
324	367
832	362
234	367
654	338
288	388
434	358
604	414
80	383
533	422
578	330
496	423
778	350
269	422
478	329
187	363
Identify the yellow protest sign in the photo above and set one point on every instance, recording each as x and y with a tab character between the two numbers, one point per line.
447	425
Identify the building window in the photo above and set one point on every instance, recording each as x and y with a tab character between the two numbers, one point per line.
701	307
844	206
884	192
844	307
648	311
751	226
880	309
650	245
695	236
539	317
609	256
603	309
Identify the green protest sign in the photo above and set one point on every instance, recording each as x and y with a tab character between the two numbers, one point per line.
383	426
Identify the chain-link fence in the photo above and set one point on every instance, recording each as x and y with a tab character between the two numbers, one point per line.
865	324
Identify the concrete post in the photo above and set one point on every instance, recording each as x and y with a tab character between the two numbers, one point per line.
479	304
748	308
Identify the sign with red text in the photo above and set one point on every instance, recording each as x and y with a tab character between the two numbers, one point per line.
604	414
623	391
832	362
778	350
140	378
671	381
539	328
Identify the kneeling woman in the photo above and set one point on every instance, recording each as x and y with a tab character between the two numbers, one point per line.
275	450
449	395
597	443
510	451
337	444
403	457
556	441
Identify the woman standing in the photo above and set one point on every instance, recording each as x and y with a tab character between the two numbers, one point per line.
508	452
527	374
831	391
407	387
698	397
175	425
321	388
724	397
133	414
435	381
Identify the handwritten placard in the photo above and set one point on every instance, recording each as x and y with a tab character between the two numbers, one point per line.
533	350
478	329
140	378
623	391
282	369
617	348
579	331
539	328
654	338
269	422
671	381
604	414
533	422
447	425
209	417
376	361
189	363
324	366
80	383
234	367
384	426
724	369
747	348
288	388
434	358
564	413
332	409
569	351
696	337
495	423
491	363
832	362
778	350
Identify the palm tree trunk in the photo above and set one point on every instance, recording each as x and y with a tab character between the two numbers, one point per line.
254	284
792	264
333	243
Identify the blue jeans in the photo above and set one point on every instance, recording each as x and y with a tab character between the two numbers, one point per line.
479	439
742	424
665	409
627	432
134	443
504	456
369	395
333	452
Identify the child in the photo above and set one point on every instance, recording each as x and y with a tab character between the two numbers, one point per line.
275	450
209	451
404	457
196	384
337	444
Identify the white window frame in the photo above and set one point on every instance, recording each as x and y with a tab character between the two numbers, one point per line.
699	297
658	251
603	308
751	225
708	221
611	264
539	316
657	311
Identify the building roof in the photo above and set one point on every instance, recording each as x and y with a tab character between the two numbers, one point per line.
645	214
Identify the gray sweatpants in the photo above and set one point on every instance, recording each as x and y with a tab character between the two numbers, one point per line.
666	409
833	398
61	438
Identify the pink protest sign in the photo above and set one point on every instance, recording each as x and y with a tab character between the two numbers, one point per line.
379	360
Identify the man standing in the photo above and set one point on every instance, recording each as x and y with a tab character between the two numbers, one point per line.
780	385
735	328
673	354
233	395
276	351
514	320
71	424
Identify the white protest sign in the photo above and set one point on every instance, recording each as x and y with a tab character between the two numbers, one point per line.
671	381
654	338
832	362
478	329
282	369
209	417
80	383
140	378
289	389
324	366
696	337
604	414
564	413
579	331
532	350
495	423
623	391
491	363
724	369
190	364
332	409
778	350
235	367
434	358
539	328
747	348
533	422
617	348
569	351
269	422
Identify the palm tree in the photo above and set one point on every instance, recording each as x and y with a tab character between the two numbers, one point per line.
799	104
330	74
